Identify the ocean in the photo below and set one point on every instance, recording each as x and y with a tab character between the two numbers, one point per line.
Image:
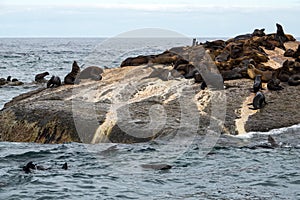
233	169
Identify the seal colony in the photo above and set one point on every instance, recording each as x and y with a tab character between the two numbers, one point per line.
253	68
243	56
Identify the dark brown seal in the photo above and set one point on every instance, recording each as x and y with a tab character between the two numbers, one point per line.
274	83
294	80
54	82
71	77
157	166
289	53
257	85
258	101
40	78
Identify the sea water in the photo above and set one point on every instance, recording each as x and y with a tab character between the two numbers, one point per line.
233	169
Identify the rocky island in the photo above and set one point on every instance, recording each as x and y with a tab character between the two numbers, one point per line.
159	96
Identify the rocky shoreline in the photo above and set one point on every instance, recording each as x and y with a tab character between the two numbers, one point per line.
159	96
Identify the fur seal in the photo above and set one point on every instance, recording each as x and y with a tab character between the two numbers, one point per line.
272	141
198	78
297	52
65	166
27	168
274	84
203	85
294	80
3	81
40	78
235	73
257	85
13	82
289	53
92	72
280	36
253	72
135	61
258	101
157	166
189	71
54	82
258	32
71	77
180	62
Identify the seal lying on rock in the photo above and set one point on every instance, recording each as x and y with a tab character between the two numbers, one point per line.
253	72
54	82
188	70
40	78
13	82
289	53
256	32
135	61
70	78
294	80
2	81
92	72
297	53
274	84
258	101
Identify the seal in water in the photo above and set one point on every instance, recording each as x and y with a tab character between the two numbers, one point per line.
65	166
257	85
258	101
272	141
40	78
54	82
70	78
157	166
270	145
27	168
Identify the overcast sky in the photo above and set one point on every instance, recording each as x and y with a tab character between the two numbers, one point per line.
106	18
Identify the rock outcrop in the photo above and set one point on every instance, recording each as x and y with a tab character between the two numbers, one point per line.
159	96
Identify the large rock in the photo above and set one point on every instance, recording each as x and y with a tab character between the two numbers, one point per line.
125	106
130	105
